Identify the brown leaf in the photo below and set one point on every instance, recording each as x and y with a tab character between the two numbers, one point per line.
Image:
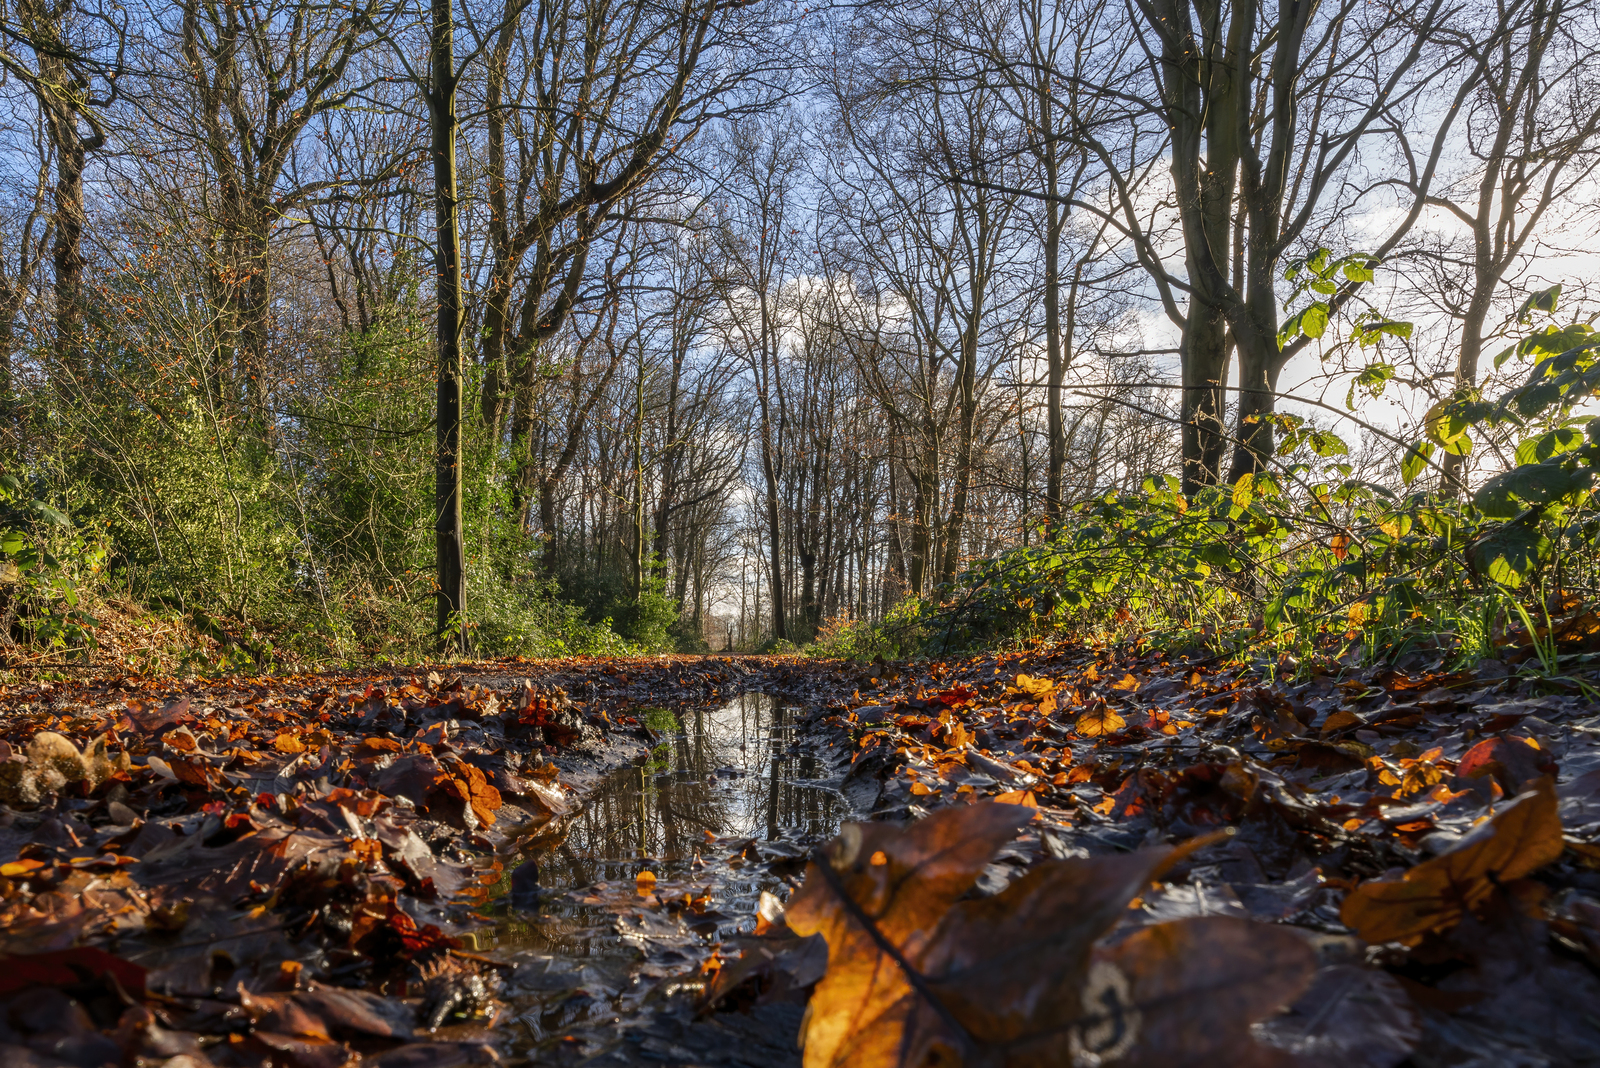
1349	1017
1339	720
917	977
1434	895
1186	992
902	883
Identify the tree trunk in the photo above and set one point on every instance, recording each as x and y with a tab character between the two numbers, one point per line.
1052	326
71	149
448	536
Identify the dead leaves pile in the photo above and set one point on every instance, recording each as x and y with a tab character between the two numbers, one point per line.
1198	866
269	876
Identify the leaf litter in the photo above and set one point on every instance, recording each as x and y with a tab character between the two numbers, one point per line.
1060	855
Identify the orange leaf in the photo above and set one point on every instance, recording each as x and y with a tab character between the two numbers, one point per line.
288	742
1018	797
1126	684
1339	720
16	869
645	884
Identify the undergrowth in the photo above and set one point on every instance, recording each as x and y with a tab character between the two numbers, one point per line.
1306	560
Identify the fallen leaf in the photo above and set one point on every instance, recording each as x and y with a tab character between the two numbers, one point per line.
882	887
1097	722
1433	896
917	976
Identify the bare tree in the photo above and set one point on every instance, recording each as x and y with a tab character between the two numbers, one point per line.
1525	119
69	55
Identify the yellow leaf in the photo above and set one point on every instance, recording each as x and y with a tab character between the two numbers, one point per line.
1244	490
1036	687
1100	721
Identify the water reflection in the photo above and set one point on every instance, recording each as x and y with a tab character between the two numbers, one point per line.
728	771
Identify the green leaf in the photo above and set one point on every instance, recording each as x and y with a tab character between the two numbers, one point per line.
1360	272
1324	287
50	515
1450	419
1314	320
1539	449
1531	485
1553	342
1372	379
1326	443
1415	461
1371	331
1510	554
1544	300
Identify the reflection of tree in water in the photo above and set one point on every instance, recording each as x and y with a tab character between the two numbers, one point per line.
664	814
660	811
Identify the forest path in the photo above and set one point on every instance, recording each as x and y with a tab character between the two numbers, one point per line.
586	861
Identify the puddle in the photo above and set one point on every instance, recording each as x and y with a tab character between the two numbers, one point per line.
727	771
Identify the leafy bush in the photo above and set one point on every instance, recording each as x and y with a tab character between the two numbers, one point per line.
43	561
1307	557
